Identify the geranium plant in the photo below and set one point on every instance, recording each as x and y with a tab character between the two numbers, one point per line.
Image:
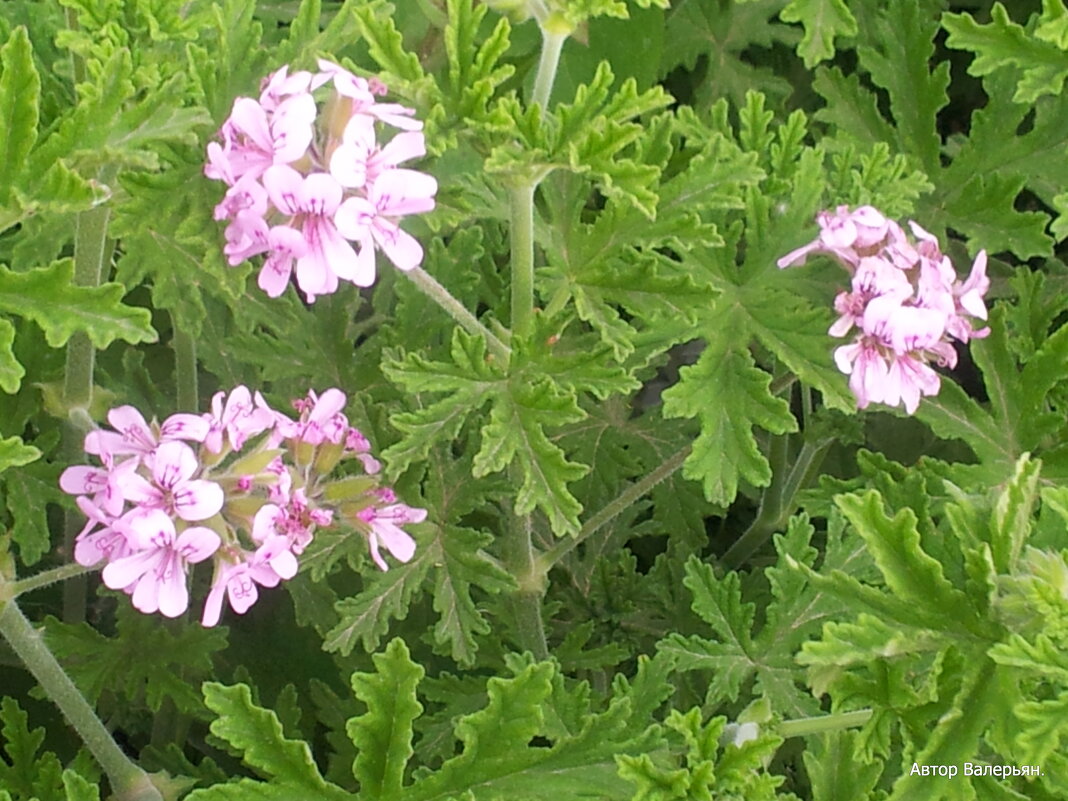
540	399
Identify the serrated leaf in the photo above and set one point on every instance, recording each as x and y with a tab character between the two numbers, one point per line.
898	58
1044	728
1001	43
144	661
20	89
956	735
823	20
386	43
910	573
49	298
984	210
387	596
24	771
461	564
16	453
515	430
28	493
256	732
11	372
383	736
1010	524
729	395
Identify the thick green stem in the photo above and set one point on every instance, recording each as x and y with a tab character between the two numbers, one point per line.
524	565
778	502
627	497
128	781
823	723
522	242
430	287
92	252
185	363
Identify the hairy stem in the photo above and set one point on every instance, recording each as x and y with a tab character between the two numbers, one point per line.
522	244
524	565
44	578
92	252
128	781
185	367
430	287
627	497
823	723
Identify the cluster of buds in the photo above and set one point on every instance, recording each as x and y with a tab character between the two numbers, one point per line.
905	304
242	486
305	185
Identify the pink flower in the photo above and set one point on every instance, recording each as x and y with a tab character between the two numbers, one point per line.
239	419
383	528
155	573
311	202
133	435
172	488
238	581
255	139
395	193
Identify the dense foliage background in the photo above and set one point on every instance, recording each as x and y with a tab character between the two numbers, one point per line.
665	557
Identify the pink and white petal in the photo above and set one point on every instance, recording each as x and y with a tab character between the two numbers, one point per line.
264	524
198	500
241	592
339	254
122	573
248	117
173	462
197	543
191	427
400	247
284	186
83	480
397	541
172	594
375	554
402	147
320	194
400	192
348	166
353	218
139	491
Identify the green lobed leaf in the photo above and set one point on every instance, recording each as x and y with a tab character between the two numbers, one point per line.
898	52
1002	43
24	771
383	735
1044	727
1010	524
910	573
256	732
460	564
515	431
49	298
143	661
20	88
823	20
16	453
729	395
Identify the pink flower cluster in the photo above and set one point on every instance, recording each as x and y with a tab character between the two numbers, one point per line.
905	304
241	486
304	185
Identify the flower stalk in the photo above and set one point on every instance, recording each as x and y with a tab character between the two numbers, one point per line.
430	287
